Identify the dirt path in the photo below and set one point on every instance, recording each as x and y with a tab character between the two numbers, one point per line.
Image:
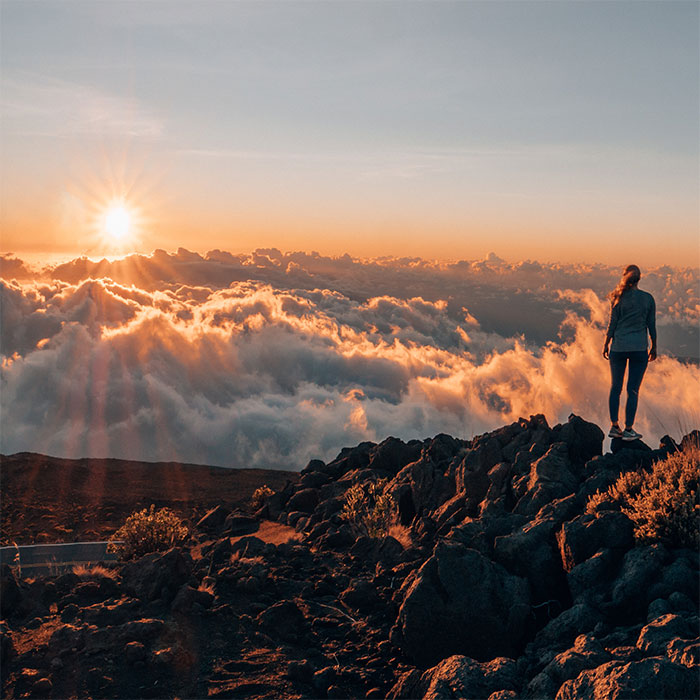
270	531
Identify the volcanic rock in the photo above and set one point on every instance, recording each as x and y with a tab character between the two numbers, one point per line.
462	603
157	575
649	678
459	677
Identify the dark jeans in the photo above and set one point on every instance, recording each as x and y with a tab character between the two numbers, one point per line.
638	360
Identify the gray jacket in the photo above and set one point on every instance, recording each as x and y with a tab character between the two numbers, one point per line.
630	319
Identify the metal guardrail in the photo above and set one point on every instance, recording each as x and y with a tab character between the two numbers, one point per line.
54	558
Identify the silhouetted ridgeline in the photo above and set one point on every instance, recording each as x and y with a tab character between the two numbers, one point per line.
499	585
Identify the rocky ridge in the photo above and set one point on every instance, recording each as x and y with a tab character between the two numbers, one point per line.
498	585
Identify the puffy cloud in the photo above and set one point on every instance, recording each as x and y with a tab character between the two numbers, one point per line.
272	359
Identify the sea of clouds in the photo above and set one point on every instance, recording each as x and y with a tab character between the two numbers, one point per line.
270	359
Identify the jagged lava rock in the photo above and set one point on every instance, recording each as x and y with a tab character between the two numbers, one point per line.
459	677
460	602
655	677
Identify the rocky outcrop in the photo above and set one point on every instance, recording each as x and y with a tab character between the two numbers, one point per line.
494	583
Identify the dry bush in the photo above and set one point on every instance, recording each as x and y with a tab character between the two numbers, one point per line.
260	495
401	533
368	508
663	503
627	486
206	588
95	571
146	531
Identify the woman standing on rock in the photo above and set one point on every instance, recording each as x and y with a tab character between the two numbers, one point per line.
632	314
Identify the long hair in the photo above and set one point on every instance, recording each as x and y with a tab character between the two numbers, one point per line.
630	277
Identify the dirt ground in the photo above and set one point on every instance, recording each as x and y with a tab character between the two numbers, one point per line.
47	499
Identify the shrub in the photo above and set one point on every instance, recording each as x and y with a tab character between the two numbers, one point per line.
368	508
663	503
146	531
260	495
94	572
401	533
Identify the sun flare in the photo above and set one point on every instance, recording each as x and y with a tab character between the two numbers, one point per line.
117	223
118	226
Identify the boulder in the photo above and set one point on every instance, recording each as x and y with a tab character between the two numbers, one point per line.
686	653
450	513
429	482
248	546
188	596
277	502
314	480
658	634
641	566
304	501
590	580
583	536
460	677
360	595
618	445
213	519
157	575
339	539
561	510
348	459
313	465
680	576
328	507
550	477
460	602
109	613
531	552
559	633
583	440
472	473
392	454
481	533
639	680
584	655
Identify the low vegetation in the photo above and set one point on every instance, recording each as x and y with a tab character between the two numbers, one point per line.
664	502
146	531
94	572
260	495
369	509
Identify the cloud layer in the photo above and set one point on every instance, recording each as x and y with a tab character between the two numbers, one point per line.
272	359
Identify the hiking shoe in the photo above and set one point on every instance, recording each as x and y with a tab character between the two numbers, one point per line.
631	434
615	432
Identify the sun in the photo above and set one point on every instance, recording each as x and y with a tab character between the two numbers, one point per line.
117	223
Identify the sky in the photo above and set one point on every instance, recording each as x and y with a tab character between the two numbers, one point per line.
551	131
